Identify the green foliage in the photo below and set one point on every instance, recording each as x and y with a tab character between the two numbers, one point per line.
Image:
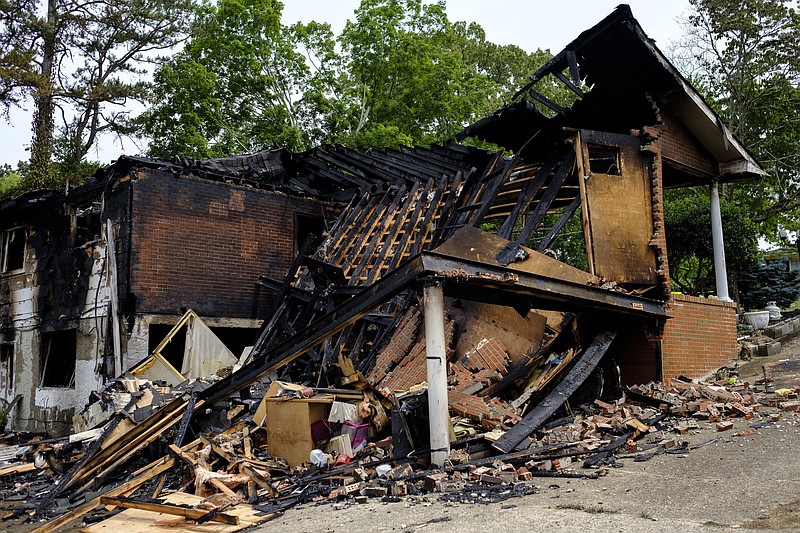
687	217
12	180
403	70
240	84
405	75
745	57
569	245
771	282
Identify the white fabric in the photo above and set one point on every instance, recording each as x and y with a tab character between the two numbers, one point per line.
202	346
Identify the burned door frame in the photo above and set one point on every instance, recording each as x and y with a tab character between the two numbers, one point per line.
617	247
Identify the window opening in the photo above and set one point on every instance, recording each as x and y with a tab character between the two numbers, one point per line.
6	366
13	249
57	358
604	160
305	225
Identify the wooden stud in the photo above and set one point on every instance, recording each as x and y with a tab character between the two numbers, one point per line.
191	514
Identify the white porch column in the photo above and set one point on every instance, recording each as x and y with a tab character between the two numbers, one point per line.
436	356
718	242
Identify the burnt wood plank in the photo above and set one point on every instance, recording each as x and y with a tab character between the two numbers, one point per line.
424	229
158	507
547	198
382	225
527	194
543	410
404	222
364	234
571	86
547	242
495	186
546	102
574	71
317	331
413	225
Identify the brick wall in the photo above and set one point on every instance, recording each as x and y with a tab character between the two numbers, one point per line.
700	336
202	244
652	147
678	144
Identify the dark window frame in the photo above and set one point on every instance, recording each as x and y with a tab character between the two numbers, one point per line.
12	250
57	367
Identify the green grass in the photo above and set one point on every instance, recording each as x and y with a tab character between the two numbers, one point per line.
584	508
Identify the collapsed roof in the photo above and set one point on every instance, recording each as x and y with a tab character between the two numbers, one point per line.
617	74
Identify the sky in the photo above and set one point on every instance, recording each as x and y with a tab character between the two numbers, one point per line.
529	24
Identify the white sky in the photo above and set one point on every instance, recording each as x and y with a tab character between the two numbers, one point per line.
529	24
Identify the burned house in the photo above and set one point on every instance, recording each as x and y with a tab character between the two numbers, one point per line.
92	280
449	276
483	293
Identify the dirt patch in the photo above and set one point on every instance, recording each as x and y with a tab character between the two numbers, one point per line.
783	517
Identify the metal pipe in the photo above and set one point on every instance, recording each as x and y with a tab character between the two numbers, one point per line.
436	355
718	242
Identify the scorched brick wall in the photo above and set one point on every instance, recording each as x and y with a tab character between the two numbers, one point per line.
201	244
700	336
682	147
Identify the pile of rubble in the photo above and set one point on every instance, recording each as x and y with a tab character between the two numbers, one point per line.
237	476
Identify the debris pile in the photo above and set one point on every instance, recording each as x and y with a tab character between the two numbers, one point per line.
234	476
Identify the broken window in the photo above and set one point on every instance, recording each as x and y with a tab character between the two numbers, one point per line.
13	249
305	225
86	224
235	339
57	357
604	160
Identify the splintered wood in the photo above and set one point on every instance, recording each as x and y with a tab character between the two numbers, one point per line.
136	521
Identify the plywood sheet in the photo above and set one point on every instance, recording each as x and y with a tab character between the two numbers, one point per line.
136	521
476	245
619	212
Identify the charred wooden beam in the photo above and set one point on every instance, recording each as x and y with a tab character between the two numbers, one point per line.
570	85
572	63
527	194
325	326
494	188
200	515
475	276
545	101
547	242
543	410
547	199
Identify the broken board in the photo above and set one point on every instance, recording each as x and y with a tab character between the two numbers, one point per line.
475	245
136	521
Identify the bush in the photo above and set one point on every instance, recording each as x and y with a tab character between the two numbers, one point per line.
771	282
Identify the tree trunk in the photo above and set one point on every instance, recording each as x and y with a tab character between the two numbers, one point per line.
43	126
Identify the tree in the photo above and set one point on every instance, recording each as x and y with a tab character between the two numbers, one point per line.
81	62
769	282
405	76
11	179
506	67
745	57
687	219
240	84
